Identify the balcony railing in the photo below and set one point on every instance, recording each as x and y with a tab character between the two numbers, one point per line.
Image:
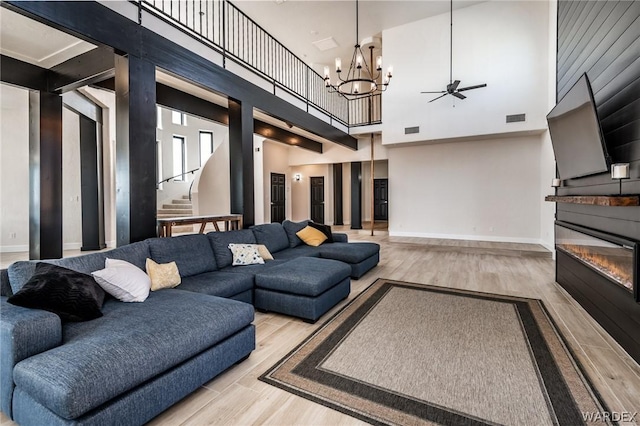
225	28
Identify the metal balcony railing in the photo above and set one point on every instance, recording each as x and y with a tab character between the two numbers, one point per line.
225	28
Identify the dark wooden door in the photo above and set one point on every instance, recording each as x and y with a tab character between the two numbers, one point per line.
277	197
381	199
317	199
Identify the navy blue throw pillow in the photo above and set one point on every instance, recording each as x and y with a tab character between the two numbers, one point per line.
71	295
325	229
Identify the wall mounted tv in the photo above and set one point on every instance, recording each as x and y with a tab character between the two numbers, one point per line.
576	135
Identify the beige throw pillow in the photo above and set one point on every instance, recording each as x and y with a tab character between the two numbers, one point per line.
265	254
165	275
311	236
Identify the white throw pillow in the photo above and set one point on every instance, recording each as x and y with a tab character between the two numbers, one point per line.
124	281
245	254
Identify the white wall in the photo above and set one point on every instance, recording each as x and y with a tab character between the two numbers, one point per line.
481	190
211	194
71	192
275	157
504	44
334	153
14	169
301	192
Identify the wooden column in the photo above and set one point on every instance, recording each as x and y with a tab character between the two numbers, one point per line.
45	175
91	184
241	160
135	150
337	194
371	185
356	195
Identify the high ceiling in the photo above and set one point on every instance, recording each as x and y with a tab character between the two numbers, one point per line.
299	23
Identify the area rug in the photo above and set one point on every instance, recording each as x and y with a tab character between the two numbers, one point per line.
403	353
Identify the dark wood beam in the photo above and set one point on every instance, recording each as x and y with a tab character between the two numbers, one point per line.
136	150
337	194
185	102
356	195
91	184
90	67
101	25
45	175
19	73
241	161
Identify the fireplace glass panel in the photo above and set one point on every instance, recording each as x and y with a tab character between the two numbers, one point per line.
611	260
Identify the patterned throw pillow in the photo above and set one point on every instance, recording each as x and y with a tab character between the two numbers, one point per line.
163	275
311	236
245	254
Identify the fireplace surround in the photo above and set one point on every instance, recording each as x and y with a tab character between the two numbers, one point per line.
600	271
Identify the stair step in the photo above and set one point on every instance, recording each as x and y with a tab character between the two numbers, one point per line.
185	197
183	229
177	206
183	201
173	213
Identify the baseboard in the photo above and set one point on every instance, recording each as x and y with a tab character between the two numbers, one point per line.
14	249
111	244
71	246
491	238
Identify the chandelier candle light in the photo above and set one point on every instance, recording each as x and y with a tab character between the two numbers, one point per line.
359	80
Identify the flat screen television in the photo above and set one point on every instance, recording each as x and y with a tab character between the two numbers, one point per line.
576	135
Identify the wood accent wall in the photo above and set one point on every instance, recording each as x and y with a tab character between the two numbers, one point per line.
603	40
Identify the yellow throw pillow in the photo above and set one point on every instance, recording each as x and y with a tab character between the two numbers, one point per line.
165	275
311	236
265	254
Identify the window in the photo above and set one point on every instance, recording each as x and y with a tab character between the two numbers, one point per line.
159	177
179	158
179	118
158	117
206	146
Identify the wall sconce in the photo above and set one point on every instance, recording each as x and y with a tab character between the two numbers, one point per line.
555	182
297	177
620	171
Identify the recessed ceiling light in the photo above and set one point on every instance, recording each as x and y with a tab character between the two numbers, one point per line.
313	32
325	44
279	1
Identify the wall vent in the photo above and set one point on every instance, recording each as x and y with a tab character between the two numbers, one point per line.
515	118
410	130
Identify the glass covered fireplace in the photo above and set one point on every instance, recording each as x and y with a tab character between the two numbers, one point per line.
610	256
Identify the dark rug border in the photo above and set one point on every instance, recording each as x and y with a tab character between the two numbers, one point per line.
518	302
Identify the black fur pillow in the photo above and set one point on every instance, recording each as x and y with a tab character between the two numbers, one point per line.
325	229
71	295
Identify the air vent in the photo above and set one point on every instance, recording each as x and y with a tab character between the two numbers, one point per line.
410	130
515	118
325	44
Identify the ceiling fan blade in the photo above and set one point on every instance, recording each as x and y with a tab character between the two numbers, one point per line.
472	87
455	84
435	99
459	95
440	91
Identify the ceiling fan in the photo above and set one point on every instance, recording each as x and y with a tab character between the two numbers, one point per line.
452	87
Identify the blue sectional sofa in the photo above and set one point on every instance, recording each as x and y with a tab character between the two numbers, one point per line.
138	359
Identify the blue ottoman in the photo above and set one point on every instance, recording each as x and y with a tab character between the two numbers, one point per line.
305	287
360	256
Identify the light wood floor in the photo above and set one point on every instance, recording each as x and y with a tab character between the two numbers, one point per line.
238	398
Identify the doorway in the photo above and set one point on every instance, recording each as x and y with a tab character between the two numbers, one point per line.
277	197
317	199
381	199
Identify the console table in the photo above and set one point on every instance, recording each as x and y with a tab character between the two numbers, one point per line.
231	222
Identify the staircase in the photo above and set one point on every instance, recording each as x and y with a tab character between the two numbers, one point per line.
178	208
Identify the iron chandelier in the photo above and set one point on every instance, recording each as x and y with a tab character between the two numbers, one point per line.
359	80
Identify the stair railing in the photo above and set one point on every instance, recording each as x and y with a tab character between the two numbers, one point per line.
181	174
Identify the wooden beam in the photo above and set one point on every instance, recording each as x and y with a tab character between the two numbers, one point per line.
356	195
90	67
136	150
45	175
337	194
23	74
241	160
279	134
